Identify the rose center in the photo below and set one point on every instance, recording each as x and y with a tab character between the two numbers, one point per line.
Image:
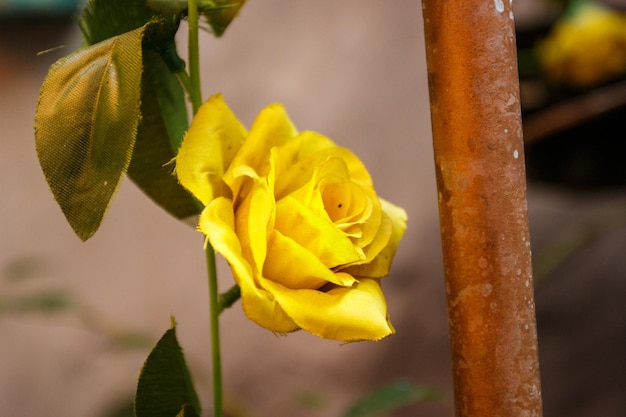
345	203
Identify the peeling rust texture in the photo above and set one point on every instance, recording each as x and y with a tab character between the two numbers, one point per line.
479	158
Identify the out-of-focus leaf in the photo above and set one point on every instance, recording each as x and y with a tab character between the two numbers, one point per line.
86	125
389	398
163	124
312	400
25	267
165	385
45	301
131	340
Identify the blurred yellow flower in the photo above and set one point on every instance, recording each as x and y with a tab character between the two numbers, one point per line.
298	220
586	47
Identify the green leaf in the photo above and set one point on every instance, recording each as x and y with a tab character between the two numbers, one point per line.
164	117
220	13
187	411
168	7
389	398
104	19
161	130
86	125
165	386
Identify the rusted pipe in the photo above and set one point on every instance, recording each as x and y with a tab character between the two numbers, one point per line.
477	138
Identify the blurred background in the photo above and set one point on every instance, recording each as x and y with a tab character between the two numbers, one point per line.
78	319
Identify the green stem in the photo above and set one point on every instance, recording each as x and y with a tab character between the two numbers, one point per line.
194	56
194	89
228	298
215	332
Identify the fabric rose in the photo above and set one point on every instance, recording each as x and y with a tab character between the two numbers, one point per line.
298	220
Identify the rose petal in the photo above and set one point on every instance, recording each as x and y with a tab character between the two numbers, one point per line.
344	201
357	170
317	234
362	218
374	249
381	264
311	194
271	128
254	219
298	149
347	314
217	222
353	207
295	171
293	266
215	135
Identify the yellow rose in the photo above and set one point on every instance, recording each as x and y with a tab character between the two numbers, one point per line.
298	220
585	48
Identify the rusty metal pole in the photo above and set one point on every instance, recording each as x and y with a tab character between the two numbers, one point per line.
478	144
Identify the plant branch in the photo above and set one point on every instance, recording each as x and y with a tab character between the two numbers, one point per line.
194	56
216	358
227	299
195	92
